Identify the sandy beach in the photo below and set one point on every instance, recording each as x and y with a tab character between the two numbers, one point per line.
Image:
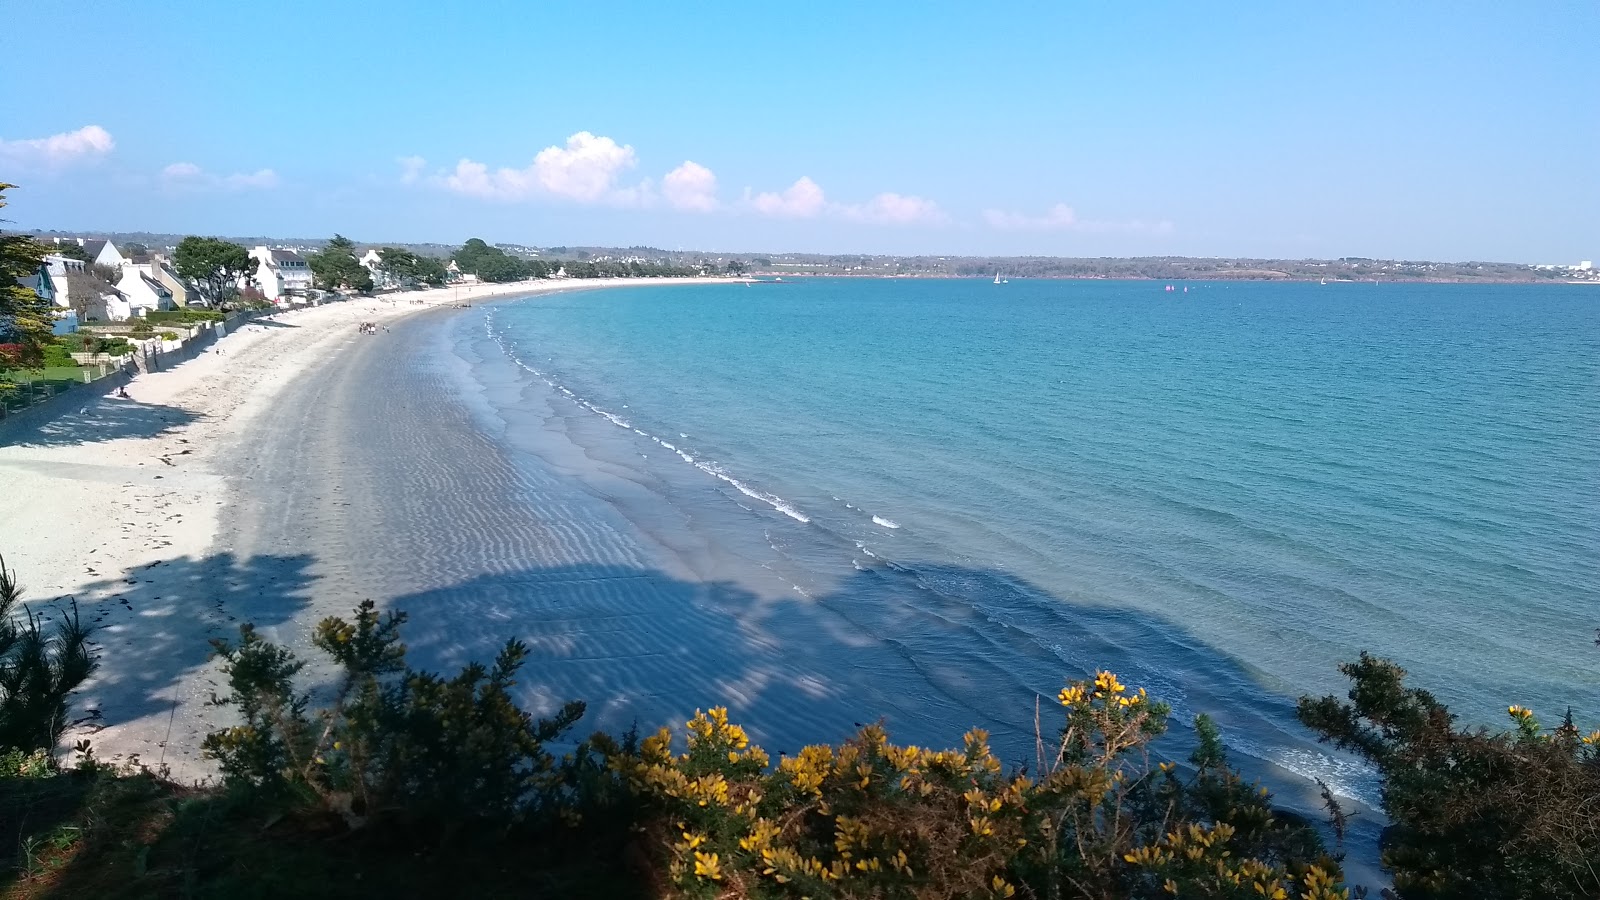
119	506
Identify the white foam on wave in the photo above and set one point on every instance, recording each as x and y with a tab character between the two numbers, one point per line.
880	520
772	500
710	468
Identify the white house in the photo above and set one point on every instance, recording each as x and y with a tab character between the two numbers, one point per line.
100	253
142	291
282	274
42	284
77	289
373	260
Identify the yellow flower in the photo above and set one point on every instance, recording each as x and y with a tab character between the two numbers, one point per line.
706	865
1519	712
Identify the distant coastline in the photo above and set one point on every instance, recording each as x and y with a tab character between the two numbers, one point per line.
1154	268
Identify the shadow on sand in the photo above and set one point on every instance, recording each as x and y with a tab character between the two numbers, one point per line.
152	627
99	419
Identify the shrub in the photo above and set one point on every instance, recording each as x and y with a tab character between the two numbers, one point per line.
11	355
169	335
872	819
57	356
454	751
38	670
1474	814
142	328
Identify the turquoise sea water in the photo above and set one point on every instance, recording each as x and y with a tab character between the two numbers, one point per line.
1226	491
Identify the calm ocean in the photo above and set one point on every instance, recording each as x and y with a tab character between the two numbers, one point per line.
1221	492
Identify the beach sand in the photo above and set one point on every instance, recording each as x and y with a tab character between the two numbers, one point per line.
121	507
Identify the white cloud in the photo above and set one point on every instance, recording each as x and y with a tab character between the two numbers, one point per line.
1061	218
411	168
896	209
89	143
188	176
585	170
691	186
802	200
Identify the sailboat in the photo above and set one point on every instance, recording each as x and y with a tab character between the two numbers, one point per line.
1005	281
997	277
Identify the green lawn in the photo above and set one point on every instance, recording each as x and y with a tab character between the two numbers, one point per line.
33	383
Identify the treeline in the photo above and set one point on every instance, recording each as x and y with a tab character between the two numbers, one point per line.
491	263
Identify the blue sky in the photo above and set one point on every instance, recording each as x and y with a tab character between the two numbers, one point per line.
1418	130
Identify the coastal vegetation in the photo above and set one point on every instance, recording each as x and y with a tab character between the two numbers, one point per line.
214	266
336	268
26	319
405	779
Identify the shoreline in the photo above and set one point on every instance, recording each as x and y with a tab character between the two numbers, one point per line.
130	496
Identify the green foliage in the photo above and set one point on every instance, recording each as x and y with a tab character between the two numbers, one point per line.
214	266
142	329
39	668
1474	814
872	819
335	267
489	263
26	319
454	751
57	355
184	315
406	269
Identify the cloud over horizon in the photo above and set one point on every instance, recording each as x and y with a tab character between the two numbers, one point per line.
87	144
690	186
802	200
1061	217
585	170
188	176
896	209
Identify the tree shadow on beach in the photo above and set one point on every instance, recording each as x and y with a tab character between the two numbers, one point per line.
152	628
98	419
931	650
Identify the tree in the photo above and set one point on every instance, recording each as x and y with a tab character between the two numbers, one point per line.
431	270
38	670
26	318
489	263
336	267
215	266
736	267
1472	813
71	251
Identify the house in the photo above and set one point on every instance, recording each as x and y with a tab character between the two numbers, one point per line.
43	285
453	273
183	293
142	291
373	260
283	276
100	253
78	289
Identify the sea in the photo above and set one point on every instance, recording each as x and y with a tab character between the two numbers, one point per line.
934	501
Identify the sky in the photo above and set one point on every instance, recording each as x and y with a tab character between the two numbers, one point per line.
1420	130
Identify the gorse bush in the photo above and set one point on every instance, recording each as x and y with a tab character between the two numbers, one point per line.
867	818
394	741
1474	814
39	668
872	819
